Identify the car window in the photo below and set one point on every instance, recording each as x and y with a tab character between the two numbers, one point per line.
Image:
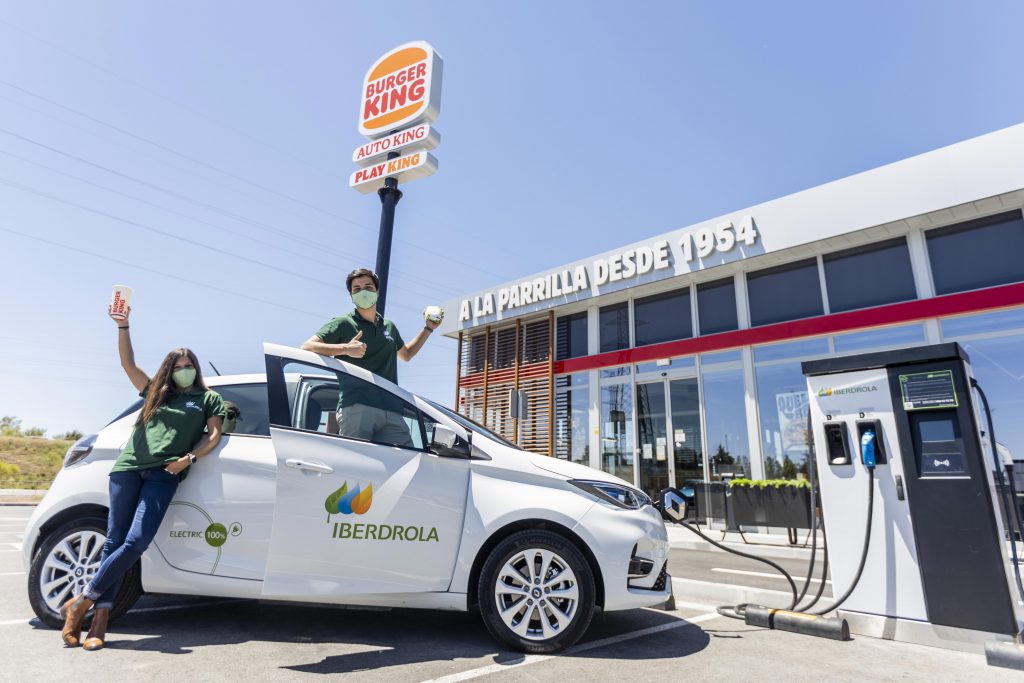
471	425
338	403
248	402
127	411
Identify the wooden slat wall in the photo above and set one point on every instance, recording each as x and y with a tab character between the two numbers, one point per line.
492	363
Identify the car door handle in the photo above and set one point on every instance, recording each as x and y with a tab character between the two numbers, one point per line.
309	466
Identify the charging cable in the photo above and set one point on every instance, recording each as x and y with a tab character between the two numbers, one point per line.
1011	488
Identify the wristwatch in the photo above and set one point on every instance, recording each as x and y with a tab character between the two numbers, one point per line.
191	458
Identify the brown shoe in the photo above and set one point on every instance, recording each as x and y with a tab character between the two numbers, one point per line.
98	631
73	611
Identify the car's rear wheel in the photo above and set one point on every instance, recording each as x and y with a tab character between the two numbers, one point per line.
536	592
65	563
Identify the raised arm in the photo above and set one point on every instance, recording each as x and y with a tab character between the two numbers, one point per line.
137	375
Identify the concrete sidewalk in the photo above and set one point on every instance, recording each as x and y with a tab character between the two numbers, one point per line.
21	496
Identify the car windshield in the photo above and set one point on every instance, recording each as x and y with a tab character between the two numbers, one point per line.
471	425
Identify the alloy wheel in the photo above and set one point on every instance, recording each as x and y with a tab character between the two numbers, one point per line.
537	594
70	566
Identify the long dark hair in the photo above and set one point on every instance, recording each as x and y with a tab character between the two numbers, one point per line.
162	387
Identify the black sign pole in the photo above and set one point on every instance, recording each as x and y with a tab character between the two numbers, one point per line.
389	196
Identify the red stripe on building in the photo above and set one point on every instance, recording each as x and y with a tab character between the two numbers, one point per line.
907	311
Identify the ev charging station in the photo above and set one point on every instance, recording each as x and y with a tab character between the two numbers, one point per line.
910	496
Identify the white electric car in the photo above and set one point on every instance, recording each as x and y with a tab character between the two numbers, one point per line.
284	509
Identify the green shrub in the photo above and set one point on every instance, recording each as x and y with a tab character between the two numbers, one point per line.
765	483
8	470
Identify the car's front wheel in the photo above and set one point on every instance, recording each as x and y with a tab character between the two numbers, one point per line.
536	592
65	563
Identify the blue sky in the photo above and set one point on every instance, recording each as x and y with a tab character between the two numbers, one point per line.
204	148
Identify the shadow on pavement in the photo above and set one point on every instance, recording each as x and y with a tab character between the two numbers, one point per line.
392	638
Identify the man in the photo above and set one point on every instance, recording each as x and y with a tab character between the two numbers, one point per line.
367	339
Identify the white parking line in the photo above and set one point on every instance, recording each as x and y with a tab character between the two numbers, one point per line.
11	573
534	659
16	546
766	575
15	622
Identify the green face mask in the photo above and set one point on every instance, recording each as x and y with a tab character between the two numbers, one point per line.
184	377
364	298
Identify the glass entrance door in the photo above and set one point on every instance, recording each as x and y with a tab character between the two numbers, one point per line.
669	446
652	437
687	445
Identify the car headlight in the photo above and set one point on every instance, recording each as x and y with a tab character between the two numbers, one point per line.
79	450
620	496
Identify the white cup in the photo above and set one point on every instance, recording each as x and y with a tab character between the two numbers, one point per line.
434	314
120	300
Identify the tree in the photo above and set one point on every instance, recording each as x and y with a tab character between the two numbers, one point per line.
722	456
788	468
10	426
35	431
73	435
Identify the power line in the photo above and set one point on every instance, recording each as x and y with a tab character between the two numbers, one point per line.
304	255
171	276
318	246
164	233
229	174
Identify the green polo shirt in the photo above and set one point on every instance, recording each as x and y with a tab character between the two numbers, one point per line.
173	431
382	344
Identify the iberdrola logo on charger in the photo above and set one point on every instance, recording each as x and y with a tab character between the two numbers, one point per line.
357	501
829	391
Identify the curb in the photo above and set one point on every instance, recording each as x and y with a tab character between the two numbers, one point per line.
781	552
692	590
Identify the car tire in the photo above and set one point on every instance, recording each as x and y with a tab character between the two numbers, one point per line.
546	577
57	573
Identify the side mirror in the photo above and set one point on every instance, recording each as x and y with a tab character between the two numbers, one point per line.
448	444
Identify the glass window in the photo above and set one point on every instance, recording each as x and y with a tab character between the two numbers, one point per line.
617	430
662	317
614	327
340	403
905	335
871	275
248	404
730	356
983	323
716	306
687	449
725	417
571	336
980	253
998	365
783	410
803	349
672	364
784	293
621	371
572	418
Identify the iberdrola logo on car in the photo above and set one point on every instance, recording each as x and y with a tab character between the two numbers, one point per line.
346	502
357	501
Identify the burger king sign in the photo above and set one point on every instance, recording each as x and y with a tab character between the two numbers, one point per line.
402	88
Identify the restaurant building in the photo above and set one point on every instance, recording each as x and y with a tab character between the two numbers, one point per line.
677	358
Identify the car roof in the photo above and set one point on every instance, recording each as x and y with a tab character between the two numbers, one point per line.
221	380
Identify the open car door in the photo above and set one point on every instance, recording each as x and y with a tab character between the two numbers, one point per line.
368	511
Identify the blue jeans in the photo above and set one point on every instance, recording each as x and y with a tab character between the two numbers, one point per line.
138	502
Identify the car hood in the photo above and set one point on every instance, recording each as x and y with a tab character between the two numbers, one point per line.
572	470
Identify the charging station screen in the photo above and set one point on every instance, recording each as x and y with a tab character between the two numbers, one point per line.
921	390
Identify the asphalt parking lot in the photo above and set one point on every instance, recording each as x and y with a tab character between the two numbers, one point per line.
200	639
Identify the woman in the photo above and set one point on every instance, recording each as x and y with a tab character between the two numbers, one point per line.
168	438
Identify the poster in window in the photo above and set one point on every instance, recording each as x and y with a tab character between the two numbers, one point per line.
792	409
